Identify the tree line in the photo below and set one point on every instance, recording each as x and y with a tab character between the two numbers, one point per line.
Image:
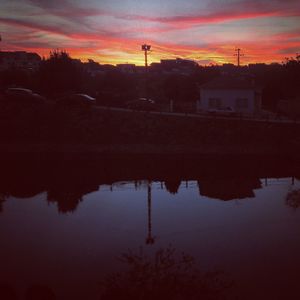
60	74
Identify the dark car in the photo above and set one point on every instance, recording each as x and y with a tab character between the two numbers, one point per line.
141	104
81	100
24	96
225	111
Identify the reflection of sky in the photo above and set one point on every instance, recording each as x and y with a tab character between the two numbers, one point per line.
250	239
266	30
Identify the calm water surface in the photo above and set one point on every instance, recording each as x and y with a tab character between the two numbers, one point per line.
68	240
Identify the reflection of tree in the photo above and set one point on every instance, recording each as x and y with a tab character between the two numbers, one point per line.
68	197
293	199
228	189
34	292
165	275
2	200
67	201
21	186
172	186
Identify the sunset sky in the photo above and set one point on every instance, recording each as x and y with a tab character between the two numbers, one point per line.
111	31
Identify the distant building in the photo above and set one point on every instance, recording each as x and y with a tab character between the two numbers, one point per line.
258	67
178	65
156	67
127	68
230	94
229	67
19	59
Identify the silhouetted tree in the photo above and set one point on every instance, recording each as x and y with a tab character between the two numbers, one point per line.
15	77
292	76
116	87
60	73
181	88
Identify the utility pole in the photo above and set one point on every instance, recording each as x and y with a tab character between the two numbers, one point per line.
238	54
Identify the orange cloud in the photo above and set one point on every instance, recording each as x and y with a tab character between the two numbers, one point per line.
108	44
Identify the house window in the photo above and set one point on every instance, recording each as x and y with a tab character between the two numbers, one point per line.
214	103
242	103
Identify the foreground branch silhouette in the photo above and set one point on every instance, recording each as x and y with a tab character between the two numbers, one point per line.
164	275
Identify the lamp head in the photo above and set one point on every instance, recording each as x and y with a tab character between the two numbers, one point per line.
146	47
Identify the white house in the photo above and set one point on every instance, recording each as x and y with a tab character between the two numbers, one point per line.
230	94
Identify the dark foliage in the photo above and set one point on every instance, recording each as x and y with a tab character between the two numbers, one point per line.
165	275
293	199
60	73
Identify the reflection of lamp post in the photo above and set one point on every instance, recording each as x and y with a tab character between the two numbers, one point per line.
150	238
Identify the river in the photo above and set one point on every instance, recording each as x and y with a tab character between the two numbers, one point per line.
62	235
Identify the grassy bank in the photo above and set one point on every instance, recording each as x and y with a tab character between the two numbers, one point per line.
50	128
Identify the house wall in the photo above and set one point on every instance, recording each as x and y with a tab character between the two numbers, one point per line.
228	98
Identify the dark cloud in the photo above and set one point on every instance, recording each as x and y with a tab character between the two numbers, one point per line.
50	4
78	21
287	51
36	26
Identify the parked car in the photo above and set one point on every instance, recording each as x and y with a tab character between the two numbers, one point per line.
226	111
81	100
24	96
142	104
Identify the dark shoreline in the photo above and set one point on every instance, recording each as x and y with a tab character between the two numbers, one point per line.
127	165
68	176
146	149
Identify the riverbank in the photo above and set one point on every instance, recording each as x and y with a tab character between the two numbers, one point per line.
145	149
49	129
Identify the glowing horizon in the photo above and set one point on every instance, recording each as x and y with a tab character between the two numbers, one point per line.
112	32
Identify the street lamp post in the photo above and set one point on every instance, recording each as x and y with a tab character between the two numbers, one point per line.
146	48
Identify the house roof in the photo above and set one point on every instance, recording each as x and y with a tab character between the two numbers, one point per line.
230	82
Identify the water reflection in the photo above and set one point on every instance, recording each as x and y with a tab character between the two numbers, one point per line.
293	199
172	186
33	292
67	182
255	243
38	292
67	195
150	239
2	199
7	292
229	188
165	274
